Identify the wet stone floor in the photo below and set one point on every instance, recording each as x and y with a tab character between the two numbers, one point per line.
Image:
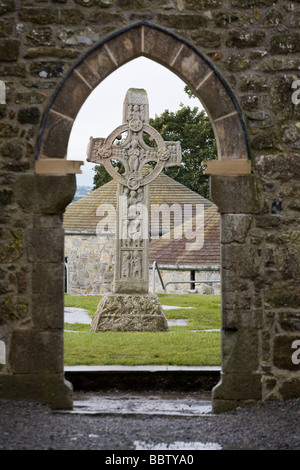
170	404
137	405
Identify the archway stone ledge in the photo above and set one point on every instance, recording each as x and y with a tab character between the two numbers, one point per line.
51	389
57	166
235	390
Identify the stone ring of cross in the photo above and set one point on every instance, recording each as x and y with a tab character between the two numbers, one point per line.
133	153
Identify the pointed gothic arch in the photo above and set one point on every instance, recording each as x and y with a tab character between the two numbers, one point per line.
174	53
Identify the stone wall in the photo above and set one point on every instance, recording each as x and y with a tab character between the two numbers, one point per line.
254	46
90	265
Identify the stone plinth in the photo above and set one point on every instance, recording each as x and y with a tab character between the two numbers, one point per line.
129	312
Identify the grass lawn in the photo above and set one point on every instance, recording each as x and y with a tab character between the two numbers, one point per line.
182	345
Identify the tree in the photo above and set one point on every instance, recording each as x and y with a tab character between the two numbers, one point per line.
101	176
194	131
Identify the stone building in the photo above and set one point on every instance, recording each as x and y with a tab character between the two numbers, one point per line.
90	251
241	59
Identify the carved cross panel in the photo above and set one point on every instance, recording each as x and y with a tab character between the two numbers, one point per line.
127	144
134	153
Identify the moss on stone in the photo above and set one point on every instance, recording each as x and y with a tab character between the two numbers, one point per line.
12	247
13	307
237	63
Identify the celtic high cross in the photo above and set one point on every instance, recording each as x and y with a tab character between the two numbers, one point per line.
142	163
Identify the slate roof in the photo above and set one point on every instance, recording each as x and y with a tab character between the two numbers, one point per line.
81	216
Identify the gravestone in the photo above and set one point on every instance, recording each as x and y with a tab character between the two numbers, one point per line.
130	306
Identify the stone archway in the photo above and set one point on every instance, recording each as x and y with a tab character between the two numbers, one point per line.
143	39
232	185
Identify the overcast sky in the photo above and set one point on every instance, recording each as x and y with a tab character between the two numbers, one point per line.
102	111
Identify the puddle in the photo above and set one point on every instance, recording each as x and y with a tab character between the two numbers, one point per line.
170	307
178	322
76	315
2	352
128	404
178	445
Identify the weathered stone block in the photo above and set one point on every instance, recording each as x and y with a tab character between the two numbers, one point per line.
243	258
241	386
240	350
242	39
236	318
16	70
56	52
36	351
235	194
9	49
252	3
44	244
130	46
125	312
183	21
6	29
8	131
282	166
266	139
106	18
224	19
13	307
288	261
41	35
281	97
50	388
212	91
69	101
45	194
253	83
159	46
48	310
7	6
230	148
234	227
290	389
29	115
289	321
11	247
57	131
47	69
207	38
90	75
100	62
6	197
291	136
48	15
283	294
237	63
287	42
202	4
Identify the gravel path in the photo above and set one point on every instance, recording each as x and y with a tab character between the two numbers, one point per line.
28	426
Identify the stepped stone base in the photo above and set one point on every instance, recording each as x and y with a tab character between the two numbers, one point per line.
129	312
